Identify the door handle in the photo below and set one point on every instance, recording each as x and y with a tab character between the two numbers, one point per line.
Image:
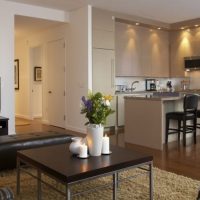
50	92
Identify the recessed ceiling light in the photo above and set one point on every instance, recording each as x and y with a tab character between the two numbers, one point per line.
151	30
188	30
137	23
159	28
182	28
196	25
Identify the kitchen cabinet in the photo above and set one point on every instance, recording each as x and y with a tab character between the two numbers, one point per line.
160	53
103	69
102	20
103	74
103	39
181	46
141	52
128	50
120	110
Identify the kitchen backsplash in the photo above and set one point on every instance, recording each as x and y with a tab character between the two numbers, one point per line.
176	82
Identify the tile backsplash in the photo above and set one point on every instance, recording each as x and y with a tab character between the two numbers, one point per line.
176	82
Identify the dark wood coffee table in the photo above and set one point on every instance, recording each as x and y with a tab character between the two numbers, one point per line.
58	163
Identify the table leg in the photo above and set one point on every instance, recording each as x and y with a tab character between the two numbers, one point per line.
18	176
115	177
68	195
39	185
151	181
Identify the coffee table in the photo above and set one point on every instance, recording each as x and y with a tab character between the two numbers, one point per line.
58	163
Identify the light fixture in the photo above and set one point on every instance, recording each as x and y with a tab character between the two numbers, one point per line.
151	30
182	28
137	23
187	70
196	25
159	28
188	30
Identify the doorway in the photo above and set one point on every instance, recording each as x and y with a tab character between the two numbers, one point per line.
40	49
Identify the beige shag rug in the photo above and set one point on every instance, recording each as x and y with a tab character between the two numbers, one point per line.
167	186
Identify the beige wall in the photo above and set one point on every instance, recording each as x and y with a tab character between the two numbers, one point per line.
80	74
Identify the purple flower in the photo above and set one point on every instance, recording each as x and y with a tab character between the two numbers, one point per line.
87	103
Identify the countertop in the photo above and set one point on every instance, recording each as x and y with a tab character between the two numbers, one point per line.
154	98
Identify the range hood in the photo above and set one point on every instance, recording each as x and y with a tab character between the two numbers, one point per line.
192	63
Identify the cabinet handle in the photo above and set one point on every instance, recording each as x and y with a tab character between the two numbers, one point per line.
112	73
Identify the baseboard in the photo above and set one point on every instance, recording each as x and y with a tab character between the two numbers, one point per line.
45	121
37	116
23	116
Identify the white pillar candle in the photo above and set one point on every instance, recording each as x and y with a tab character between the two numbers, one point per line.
83	151
106	145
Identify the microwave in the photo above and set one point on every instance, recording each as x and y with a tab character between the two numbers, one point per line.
150	84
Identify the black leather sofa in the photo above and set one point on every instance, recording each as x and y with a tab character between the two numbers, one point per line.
10	144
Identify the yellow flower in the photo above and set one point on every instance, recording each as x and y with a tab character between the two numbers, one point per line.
108	97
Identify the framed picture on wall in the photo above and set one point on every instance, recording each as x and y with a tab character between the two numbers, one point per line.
16	74
37	73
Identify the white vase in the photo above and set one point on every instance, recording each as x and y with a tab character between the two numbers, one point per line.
94	139
74	147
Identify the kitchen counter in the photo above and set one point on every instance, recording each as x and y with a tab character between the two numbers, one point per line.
154	98
145	118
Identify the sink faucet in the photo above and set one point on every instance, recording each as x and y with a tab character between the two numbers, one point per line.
133	88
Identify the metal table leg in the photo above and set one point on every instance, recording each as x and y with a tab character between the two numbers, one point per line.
151	181
39	185
18	176
115	183
68	195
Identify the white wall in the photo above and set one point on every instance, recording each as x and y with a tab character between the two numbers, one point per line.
36	57
80	65
7	12
24	102
6	64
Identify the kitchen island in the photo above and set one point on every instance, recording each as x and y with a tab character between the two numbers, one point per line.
145	118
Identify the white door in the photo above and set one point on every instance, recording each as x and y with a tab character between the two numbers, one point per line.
56	82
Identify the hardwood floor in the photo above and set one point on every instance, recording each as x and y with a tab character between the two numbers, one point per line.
174	158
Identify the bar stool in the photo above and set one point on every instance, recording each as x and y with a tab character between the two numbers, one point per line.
198	116
189	113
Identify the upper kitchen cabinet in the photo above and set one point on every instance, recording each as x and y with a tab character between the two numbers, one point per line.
183	44
102	20
102	29
128	50
141	51
159	53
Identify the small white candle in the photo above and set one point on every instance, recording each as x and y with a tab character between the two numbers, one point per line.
83	151
106	145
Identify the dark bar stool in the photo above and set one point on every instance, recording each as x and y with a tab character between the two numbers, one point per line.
189	113
198	116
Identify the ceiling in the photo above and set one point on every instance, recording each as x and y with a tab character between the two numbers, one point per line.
168	11
27	26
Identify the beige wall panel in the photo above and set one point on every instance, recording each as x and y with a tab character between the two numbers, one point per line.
103	39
